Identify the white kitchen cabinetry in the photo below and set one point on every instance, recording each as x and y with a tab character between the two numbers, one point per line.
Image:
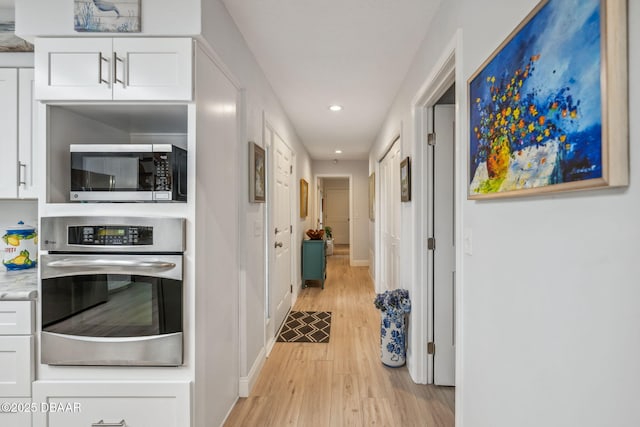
149	69
9	133
86	404
28	165
17	136
16	362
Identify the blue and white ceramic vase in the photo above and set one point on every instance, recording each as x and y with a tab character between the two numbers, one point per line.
393	339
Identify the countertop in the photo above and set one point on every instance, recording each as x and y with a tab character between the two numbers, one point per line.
18	285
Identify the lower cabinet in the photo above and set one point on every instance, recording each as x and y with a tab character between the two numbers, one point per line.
16	366
15	412
95	404
314	261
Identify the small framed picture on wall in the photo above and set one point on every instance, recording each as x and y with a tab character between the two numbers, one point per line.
257	182
405	180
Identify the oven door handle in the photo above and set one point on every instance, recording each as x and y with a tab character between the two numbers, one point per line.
67	263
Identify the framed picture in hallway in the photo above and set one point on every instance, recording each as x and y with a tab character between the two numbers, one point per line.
548	109
405	180
257	183
304	198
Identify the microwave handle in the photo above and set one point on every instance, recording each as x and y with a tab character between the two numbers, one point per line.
68	263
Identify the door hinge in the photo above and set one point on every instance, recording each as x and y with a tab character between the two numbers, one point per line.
431	348
431	243
291	229
290	168
291	288
431	139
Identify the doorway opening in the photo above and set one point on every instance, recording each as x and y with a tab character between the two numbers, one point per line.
439	162
333	212
441	251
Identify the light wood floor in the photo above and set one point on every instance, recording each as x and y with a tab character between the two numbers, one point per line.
342	383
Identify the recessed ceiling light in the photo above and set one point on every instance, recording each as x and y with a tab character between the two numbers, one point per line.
338	151
335	108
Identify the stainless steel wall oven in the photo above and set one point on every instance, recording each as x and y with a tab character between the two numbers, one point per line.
112	291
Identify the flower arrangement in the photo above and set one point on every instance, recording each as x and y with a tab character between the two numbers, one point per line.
394	303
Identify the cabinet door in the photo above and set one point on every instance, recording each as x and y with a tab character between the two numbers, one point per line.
83	404
18	414
73	69
9	133
27	140
152	69
16	317
16	366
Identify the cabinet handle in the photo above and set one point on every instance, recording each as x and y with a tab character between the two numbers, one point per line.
22	173
116	59
101	423
100	60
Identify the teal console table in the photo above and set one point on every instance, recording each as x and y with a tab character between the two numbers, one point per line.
314	261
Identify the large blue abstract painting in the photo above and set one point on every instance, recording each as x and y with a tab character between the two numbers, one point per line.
536	106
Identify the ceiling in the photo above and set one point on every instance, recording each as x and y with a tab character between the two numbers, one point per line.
354	53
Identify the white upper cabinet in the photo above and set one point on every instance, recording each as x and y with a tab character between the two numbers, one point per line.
28	168
143	69
9	133
17	135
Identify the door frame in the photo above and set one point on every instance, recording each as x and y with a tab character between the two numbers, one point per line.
315	218
269	327
447	71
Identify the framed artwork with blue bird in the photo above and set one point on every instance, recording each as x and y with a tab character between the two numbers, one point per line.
107	16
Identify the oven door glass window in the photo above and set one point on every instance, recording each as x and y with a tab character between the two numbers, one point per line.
111	305
112	171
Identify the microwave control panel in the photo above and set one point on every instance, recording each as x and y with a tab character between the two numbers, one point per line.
110	235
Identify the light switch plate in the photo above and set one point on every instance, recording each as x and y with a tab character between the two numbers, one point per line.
468	241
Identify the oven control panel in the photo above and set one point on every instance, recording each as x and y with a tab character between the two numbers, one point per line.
110	235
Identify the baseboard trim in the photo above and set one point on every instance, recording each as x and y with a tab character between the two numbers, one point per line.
360	263
247	383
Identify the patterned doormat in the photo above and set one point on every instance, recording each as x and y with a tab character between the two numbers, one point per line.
306	326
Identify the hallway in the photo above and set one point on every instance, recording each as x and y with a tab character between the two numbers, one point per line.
341	383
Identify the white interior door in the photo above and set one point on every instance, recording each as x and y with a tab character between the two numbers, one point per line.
444	274
280	284
337	214
390	218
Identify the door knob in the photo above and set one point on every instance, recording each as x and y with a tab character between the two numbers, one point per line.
278	244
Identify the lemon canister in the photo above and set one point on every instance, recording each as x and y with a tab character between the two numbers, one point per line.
20	247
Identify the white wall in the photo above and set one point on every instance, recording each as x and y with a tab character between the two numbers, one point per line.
219	30
217	252
12	211
359	171
550	297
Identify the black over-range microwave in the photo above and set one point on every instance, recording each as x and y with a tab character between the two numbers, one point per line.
128	173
